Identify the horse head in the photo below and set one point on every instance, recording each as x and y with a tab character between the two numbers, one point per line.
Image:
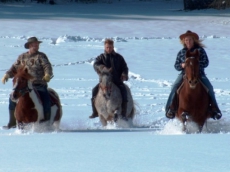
192	68
106	82
20	83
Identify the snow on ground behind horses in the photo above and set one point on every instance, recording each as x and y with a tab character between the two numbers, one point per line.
148	39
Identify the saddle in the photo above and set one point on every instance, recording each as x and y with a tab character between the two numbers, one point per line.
53	98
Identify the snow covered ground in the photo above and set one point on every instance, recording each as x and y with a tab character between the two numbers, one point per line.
146	34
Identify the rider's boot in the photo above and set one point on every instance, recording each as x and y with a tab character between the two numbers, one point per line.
12	120
124	110
47	116
95	114
215	111
171	111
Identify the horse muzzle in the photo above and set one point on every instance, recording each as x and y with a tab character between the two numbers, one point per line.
14	97
193	83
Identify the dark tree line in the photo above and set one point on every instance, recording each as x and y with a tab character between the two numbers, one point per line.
188	4
205	4
38	1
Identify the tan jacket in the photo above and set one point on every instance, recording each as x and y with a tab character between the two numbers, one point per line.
37	64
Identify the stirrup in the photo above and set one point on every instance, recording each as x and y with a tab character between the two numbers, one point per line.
216	115
170	114
7	127
93	115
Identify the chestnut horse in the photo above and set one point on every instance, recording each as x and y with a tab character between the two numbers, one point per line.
194	100
108	102
29	108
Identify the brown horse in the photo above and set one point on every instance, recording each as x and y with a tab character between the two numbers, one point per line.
29	108
193	97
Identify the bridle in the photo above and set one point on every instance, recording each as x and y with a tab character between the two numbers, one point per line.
23	91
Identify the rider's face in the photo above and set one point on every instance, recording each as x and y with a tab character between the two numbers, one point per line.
189	42
109	48
34	46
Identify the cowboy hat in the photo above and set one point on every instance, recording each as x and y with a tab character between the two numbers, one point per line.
30	40
189	33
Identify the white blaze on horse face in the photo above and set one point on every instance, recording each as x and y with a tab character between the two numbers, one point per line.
15	84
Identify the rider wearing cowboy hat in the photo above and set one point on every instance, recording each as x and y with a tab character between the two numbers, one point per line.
190	41
39	67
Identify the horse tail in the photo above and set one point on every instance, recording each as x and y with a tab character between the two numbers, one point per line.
132	113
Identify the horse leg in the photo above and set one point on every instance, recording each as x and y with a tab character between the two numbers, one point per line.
115	115
200	128
20	125
184	118
103	120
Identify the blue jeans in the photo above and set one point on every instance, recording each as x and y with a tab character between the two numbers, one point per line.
211	93
175	86
44	94
178	82
123	90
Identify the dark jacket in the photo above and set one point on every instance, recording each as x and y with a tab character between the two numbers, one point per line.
114	61
204	62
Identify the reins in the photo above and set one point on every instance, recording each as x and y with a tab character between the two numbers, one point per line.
23	91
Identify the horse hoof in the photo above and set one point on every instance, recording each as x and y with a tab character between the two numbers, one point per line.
115	118
124	118
184	116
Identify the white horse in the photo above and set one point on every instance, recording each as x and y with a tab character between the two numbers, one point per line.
108	102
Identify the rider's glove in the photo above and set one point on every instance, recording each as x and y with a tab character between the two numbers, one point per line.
5	78
46	78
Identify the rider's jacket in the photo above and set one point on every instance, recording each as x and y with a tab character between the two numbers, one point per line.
114	61
37	65
204	62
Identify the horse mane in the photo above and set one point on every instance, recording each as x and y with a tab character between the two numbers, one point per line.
23	72
192	54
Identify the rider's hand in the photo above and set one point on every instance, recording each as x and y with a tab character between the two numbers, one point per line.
183	65
5	78
46	78
124	77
